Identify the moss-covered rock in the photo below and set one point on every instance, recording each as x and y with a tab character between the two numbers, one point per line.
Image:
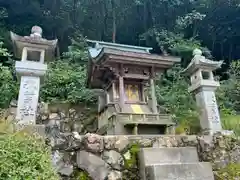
80	175
131	171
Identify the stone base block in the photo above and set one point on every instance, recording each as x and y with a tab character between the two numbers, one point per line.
93	164
151	156
183	171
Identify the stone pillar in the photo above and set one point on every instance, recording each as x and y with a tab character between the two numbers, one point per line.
153	96
28	99
203	86
153	92
114	94
121	91
30	73
209	113
135	129
121	88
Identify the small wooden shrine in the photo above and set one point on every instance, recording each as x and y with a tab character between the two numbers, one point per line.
123	76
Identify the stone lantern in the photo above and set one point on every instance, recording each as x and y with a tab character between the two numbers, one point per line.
33	50
203	86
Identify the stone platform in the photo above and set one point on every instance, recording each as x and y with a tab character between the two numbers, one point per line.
181	171
173	163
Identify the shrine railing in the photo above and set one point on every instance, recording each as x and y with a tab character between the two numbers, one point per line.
155	119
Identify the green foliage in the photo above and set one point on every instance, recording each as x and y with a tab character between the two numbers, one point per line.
3	51
189	19
229	92
228	96
180	129
231	172
172	93
174	43
65	82
231	122
24	156
8	87
131	164
77	51
134	150
80	175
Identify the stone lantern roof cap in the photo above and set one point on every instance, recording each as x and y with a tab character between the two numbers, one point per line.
201	62
34	40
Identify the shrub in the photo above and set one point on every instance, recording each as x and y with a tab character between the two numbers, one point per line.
231	122
8	87
24	157
65	82
173	95
230	172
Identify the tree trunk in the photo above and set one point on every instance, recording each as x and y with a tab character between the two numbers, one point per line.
114	21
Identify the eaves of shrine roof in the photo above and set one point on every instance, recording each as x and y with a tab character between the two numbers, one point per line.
100	45
126	53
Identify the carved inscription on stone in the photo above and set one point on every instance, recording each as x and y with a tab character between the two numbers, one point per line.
212	108
28	99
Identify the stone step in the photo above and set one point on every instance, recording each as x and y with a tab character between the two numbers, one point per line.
181	171
151	156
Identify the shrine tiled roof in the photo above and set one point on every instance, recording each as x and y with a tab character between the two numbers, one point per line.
100	45
100	48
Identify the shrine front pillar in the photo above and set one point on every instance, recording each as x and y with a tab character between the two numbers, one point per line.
121	88
153	93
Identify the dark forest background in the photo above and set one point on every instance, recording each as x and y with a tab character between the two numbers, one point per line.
214	23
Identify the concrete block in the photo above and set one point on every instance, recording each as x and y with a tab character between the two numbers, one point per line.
151	156
166	155
184	171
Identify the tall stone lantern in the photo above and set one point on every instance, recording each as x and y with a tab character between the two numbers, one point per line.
203	86
33	50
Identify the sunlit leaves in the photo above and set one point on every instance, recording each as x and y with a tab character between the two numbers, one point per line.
189	19
24	157
172	93
66	82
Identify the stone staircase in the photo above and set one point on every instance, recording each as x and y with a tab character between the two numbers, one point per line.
173	163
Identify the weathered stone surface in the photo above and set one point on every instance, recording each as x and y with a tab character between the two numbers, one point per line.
66	170
32	129
190	171
204	90
94	165
166	155
218	149
109	142
151	156
54	116
146	142
113	158
165	141
115	175
61	162
121	143
93	143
